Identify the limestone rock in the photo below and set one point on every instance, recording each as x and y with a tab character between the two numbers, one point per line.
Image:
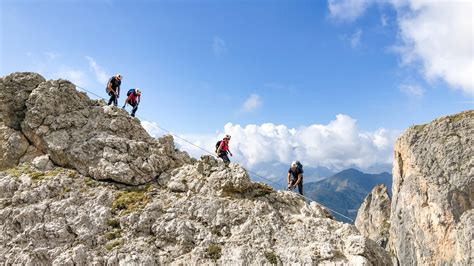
99	141
465	238
13	145
373	217
62	218
42	163
203	212
31	153
433	189
14	91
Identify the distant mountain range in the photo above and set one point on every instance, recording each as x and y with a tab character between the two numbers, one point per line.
345	191
277	173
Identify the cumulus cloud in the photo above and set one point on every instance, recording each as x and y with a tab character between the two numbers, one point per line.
101	76
253	102
337	145
201	144
437	35
414	91
219	46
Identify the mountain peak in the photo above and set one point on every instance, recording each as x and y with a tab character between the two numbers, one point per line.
430	218
350	171
76	132
83	183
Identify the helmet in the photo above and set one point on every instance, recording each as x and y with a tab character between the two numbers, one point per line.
119	76
227	137
294	164
138	91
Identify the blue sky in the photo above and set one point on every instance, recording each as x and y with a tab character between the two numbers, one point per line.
204	64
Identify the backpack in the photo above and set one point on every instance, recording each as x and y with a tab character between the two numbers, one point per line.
130	91
107	90
300	166
218	144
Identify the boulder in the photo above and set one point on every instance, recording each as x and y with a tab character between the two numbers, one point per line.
13	145
373	217
14	91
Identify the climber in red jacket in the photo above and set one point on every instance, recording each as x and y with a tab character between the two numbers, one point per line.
133	98
223	149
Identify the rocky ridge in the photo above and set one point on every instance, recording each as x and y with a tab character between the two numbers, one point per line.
373	217
84	184
76	132
431	216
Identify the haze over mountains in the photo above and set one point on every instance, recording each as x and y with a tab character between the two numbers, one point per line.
345	191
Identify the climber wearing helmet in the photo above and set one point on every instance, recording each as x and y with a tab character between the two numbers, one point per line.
133	98
295	176
113	89
223	148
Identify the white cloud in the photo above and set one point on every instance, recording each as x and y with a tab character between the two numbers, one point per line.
437	35
77	77
337	145
412	90
204	141
153	129
355	38
219	46
347	10
101	76
52	65
253	102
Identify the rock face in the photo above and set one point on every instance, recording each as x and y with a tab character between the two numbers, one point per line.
433	193
14	91
164	207
200	213
76	132
373	218
13	145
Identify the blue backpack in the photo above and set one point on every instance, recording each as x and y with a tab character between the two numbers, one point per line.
130	91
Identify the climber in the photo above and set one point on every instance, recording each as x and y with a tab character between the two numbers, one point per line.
295	176
133	98
222	148
113	89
